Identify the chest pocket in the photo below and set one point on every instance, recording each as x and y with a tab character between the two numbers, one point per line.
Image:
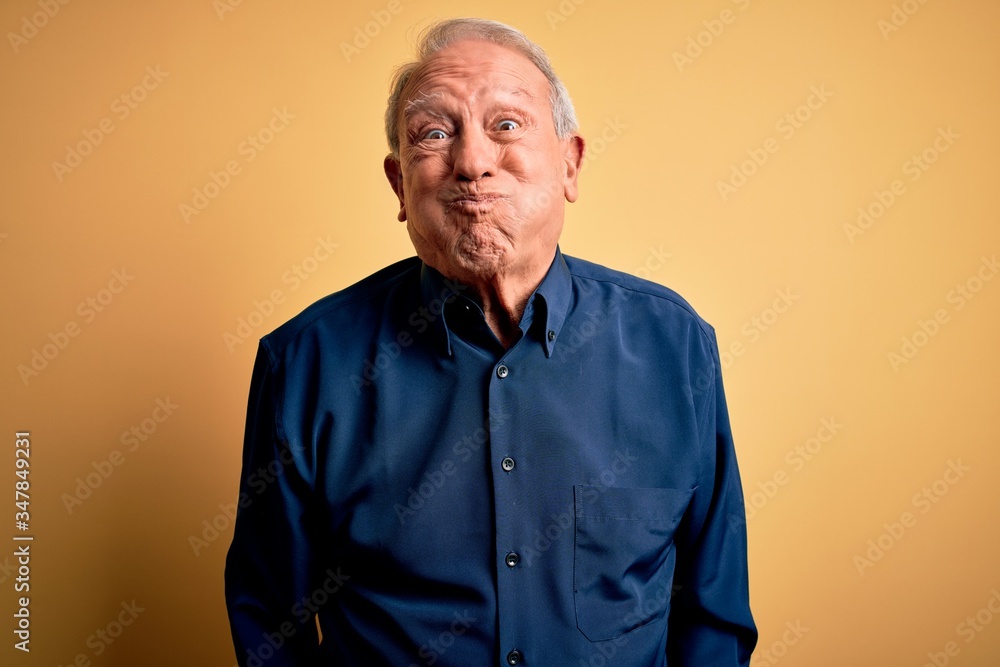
624	557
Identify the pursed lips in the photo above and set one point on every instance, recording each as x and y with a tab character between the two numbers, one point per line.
474	200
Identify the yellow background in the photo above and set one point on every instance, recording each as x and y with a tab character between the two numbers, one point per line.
663	133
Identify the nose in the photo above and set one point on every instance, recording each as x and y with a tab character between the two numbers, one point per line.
474	155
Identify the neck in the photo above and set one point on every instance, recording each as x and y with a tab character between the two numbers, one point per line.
504	296
503	305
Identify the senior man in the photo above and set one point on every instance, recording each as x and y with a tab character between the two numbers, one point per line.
491	453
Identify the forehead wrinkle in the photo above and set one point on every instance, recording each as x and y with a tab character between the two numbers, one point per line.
454	72
424	102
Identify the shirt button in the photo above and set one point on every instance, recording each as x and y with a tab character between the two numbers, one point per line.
507	464
512	559
514	657
552	335
502	371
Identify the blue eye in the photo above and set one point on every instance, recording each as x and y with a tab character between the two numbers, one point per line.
507	125
435	134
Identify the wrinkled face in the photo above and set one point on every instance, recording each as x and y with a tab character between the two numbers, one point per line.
482	178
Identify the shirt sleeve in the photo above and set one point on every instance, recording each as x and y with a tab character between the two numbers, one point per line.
269	567
710	623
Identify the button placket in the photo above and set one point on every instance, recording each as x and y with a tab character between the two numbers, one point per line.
508	487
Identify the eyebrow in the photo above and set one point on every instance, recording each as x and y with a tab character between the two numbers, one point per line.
521	91
422	103
417	104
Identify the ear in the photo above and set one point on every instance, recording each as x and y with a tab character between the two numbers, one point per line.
575	147
394	172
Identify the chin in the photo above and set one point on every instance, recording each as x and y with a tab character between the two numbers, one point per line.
469	255
479	259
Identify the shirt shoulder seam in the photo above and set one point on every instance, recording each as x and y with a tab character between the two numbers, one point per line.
704	327
299	327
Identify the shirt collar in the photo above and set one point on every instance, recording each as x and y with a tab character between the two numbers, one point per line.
550	301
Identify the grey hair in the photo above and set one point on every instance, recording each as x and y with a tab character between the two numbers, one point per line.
444	33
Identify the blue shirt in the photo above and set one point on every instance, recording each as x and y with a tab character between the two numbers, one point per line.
420	495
